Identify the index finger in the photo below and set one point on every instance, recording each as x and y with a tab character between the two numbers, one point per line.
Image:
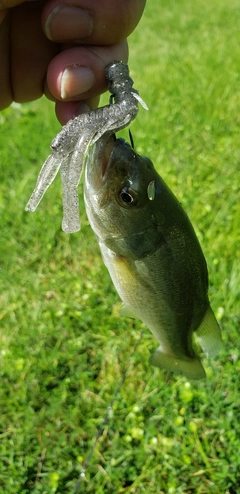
8	4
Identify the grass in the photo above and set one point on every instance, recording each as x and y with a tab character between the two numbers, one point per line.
63	349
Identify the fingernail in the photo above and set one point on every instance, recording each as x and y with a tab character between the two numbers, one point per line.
68	23
75	81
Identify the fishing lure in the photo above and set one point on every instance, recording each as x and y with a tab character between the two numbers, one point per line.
69	147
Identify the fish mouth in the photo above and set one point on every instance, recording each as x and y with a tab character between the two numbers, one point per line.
114	152
106	156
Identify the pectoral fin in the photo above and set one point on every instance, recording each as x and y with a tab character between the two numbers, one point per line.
209	335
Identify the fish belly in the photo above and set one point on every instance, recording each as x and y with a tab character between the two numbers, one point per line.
142	299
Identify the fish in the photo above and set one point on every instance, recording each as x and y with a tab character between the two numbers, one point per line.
152	253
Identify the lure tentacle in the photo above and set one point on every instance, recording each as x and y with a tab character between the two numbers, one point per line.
70	145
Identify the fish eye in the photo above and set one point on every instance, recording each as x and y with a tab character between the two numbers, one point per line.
127	197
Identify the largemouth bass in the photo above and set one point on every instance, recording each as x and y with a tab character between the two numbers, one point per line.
152	254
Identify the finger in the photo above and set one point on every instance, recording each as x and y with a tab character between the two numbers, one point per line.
100	23
78	73
3	14
6	96
67	111
31	52
7	4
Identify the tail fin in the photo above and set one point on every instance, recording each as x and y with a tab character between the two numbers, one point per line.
209	335
191	367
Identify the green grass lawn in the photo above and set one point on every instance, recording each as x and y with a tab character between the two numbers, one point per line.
65	354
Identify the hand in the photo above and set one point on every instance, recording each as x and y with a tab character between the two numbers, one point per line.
61	49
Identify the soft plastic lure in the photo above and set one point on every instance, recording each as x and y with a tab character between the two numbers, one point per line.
70	145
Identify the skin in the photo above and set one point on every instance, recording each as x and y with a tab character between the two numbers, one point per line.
39	40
